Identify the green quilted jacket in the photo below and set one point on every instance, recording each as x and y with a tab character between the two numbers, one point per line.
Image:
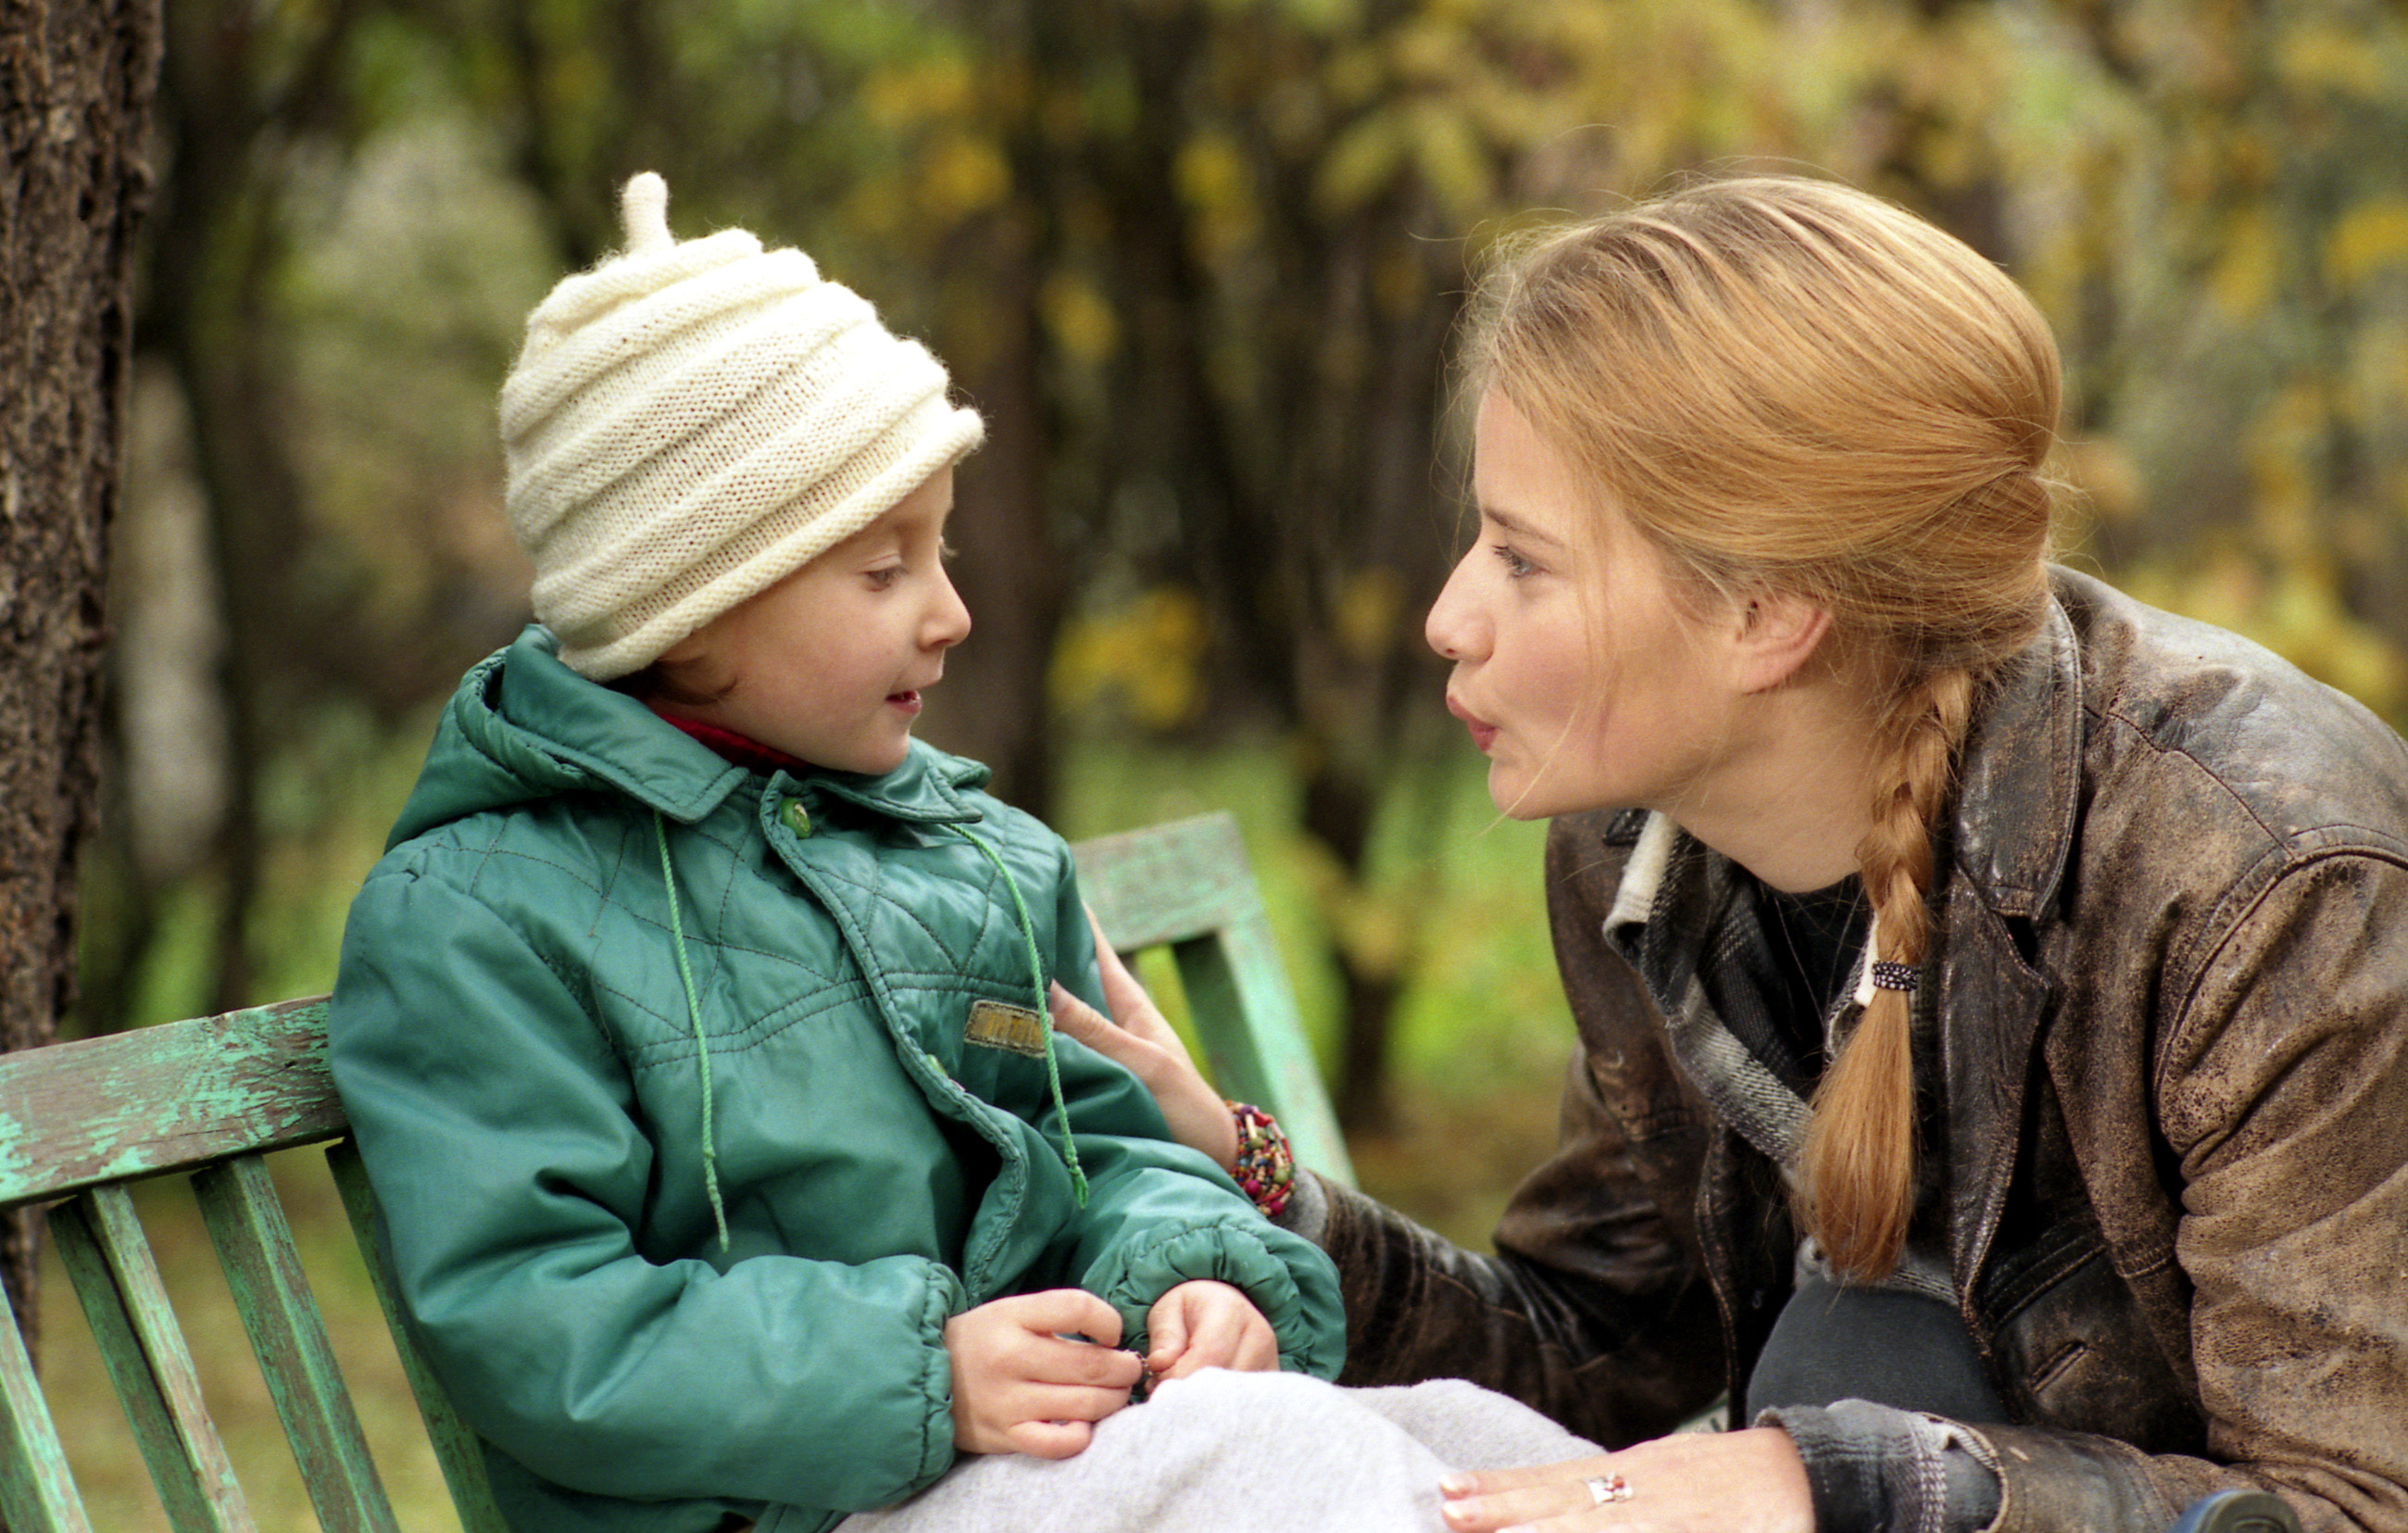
576	892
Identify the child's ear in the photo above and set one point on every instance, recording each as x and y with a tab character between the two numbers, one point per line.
684	675
683	652
1776	632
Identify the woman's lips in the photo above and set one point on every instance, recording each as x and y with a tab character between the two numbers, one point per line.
1482	732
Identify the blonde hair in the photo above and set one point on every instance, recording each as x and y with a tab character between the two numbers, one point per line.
1790	385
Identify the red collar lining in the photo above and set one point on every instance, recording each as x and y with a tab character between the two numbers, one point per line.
741	750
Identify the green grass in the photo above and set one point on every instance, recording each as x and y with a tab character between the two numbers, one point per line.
1481	1042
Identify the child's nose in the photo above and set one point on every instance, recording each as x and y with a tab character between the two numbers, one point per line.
949	617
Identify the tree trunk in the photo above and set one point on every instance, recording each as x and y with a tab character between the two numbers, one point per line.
1010	569
76	86
1018	565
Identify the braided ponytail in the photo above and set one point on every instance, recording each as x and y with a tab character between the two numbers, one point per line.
1855	1178
1789	385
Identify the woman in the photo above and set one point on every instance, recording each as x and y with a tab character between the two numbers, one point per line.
1992	993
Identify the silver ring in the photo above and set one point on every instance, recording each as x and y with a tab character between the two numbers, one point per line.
1607	1488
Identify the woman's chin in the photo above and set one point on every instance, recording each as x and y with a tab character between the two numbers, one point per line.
1513	796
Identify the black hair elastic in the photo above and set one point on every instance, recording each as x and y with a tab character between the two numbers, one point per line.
1889	976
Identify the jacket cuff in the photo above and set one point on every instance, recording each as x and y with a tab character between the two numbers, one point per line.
1309	1323
1875	1467
939	1302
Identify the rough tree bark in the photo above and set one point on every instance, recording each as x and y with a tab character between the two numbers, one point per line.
77	79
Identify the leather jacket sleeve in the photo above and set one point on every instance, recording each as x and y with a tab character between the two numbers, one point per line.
1595	1309
2278	1086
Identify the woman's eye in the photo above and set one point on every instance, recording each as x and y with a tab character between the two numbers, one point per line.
1515	566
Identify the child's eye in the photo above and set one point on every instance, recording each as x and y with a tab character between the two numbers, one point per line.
1515	566
883	576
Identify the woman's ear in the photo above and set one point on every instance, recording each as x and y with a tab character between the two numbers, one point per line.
1778	632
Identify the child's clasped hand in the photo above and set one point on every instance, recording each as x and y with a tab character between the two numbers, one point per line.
1023	1382
1204	1323
1034	1373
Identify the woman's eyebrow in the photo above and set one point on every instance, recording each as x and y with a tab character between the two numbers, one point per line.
1519	528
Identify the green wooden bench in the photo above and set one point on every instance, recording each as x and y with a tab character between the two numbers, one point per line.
207	1098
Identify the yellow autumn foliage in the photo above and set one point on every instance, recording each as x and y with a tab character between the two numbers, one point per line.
2367	241
1079	317
1145	658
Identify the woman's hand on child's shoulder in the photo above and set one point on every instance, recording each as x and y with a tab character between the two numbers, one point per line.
1135	1037
1203	1324
1034	1373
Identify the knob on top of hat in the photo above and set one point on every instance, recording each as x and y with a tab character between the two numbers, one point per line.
644	214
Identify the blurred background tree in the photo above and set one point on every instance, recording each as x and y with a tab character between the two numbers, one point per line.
1199	261
77	88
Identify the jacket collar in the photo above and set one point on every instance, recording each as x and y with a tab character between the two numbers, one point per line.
522	726
2019	781
603	735
930	788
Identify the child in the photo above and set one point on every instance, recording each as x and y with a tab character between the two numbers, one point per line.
693	1026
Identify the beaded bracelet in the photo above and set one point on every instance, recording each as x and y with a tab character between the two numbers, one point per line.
1265	1168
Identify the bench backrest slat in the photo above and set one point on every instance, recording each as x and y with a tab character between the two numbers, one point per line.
165	1099
109	1259
1188	885
246	1222
458	1451
36	1495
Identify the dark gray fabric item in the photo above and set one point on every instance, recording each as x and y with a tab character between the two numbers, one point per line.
1812	942
1840	1341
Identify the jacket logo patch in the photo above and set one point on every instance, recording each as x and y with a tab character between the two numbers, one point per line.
996	1024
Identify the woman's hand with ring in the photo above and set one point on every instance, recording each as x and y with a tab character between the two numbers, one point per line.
1749	1481
1607	1488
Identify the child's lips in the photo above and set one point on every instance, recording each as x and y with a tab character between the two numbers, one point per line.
908	698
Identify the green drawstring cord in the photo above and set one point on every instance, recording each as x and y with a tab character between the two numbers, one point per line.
1036	988
701	1045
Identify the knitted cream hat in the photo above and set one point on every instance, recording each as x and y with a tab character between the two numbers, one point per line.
690	422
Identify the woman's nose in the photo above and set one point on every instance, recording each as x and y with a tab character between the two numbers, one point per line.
1448	627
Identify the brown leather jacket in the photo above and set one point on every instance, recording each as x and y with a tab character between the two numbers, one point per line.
2171	1001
